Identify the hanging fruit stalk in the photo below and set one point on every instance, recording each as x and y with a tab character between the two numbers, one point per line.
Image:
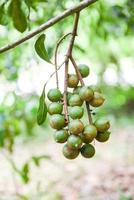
66	110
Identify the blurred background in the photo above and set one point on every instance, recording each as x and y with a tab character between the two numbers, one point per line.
32	166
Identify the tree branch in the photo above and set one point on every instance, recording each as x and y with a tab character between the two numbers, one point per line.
68	55
48	24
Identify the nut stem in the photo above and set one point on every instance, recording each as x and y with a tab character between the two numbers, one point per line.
82	84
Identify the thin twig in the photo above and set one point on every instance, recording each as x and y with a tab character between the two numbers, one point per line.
89	113
77	71
82	83
48	24
69	53
56	72
55	57
65	92
53	74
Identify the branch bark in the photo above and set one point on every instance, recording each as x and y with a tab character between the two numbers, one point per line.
68	55
48	24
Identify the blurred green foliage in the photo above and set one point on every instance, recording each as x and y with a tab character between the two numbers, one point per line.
105	37
24	171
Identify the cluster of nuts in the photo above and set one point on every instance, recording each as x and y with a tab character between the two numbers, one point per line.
75	134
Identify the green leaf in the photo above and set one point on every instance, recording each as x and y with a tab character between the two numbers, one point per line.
25	169
25	173
3	15
42	110
2	138
18	16
28	3
37	159
40	48
22	197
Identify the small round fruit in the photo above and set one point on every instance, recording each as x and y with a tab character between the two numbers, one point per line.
76	112
102	125
96	89
72	80
103	137
86	93
70	153
89	133
76	90
55	108
76	127
84	70
97	100
74	142
57	121
61	136
69	94
54	95
87	151
75	100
